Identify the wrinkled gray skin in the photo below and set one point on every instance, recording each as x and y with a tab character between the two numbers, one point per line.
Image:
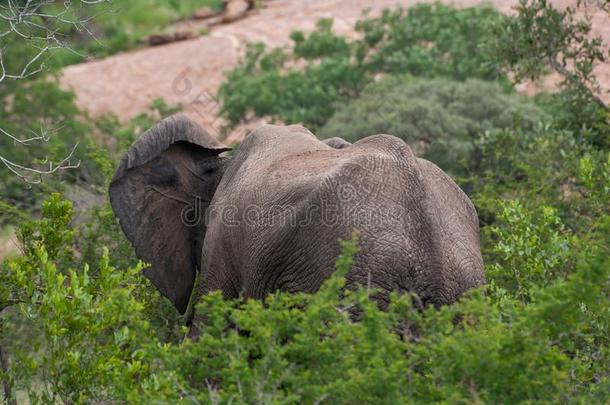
277	208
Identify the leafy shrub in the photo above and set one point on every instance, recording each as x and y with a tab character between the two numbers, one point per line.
96	341
431	41
574	110
426	40
80	323
536	241
440	118
542	167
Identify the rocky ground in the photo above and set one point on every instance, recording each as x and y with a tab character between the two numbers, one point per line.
188	72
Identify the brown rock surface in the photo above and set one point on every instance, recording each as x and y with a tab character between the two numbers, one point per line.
188	73
234	10
162	39
205	12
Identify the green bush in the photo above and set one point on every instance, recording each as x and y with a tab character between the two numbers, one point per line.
440	118
545	178
536	241
431	41
96	341
543	167
425	40
573	110
76	325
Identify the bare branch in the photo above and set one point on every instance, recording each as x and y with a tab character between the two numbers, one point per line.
572	78
43	31
22	22
34	176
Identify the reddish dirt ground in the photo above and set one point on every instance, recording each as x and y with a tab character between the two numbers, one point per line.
188	73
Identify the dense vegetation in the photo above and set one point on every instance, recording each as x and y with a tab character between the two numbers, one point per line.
440	118
80	323
429	41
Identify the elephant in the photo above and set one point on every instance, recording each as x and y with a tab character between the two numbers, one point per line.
269	216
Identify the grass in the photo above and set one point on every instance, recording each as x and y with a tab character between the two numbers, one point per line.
118	25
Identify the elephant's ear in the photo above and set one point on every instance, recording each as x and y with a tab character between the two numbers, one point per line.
170	171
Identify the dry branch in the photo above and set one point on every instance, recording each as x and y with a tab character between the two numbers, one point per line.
42	29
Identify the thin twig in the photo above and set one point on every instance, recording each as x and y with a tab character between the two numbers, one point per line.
21	20
34	176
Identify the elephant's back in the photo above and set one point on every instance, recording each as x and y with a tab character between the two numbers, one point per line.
301	203
294	197
293	167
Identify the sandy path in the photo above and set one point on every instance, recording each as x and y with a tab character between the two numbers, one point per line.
188	73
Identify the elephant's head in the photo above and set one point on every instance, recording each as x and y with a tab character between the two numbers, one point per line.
159	193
